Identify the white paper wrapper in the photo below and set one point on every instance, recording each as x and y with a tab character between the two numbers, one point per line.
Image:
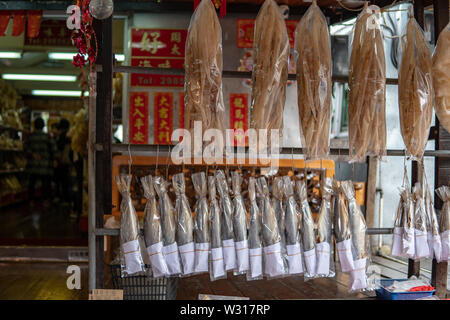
157	261
294	258
434	243
310	263
133	258
201	257
172	258
323	259
187	254
218	267
421	245
445	241
358	278
345	255
242	256
229	254
255	257
397	242
408	243
273	262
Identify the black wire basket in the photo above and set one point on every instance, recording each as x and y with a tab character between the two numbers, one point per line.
142	287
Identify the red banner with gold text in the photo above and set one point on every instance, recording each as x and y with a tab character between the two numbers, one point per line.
163	117
138	117
246	29
239	115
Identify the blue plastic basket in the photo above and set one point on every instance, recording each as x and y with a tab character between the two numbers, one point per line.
385	294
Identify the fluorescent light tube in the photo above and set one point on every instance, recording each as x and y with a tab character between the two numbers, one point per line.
10	55
39	77
70	55
59	93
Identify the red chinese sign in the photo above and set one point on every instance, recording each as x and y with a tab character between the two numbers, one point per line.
239	116
246	29
163	117
51	33
138	117
157	49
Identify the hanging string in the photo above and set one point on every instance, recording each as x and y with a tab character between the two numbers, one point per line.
167	165
292	157
157	159
130	160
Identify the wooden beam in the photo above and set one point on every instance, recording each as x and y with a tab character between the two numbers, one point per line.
371	192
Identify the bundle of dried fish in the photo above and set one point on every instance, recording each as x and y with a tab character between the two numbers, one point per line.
185	226
239	225
201	223
325	261
229	251
444	221
307	227
152	230
292	219
367	83
217	268
441	77
203	70
270	69
397	247
408	238
170	249
312	45
274	264
415	90
254	235
420	224
277	203
129	230
434	238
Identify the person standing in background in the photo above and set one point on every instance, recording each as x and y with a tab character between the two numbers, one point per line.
64	164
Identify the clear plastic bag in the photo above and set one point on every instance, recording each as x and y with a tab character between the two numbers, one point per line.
255	272
444	221
152	230
203	70
415	90
397	247
270	69
314	66
434	238
420	224
201	223
367	83
441	77
129	230
279	208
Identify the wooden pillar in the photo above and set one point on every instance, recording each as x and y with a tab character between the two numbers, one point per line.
371	192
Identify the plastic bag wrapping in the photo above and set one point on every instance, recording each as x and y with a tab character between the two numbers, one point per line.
255	271
274	264
292	220
324	241
170	249
240	226
420	224
444	221
307	228
185	225
367	83
415	90
152	230
226	205
434	238
441	77
129	230
217	266
397	248
408	234
203	70
270	69
201	223
314	66
279	208
342	231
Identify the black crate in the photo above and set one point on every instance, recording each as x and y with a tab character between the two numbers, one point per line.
142	287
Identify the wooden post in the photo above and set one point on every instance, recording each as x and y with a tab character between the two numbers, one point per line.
371	192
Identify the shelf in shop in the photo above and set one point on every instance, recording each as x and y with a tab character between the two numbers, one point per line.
13	150
13	198
11	171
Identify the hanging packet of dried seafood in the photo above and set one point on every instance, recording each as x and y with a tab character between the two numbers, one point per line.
408	235
292	220
415	90
397	247
226	205
324	241
307	229
270	70
434	238
274	264
152	230
255	271
185	225
239	226
279	208
201	223
367	83
420	224
170	249
203	96
342	231
217	266
441	77
129	230
444	221
313	51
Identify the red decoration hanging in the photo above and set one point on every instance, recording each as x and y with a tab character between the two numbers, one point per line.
18	26
82	38
5	16
34	23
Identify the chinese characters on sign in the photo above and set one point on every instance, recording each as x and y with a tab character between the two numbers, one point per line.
138	117
157	49
239	116
51	33
163	117
246	28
